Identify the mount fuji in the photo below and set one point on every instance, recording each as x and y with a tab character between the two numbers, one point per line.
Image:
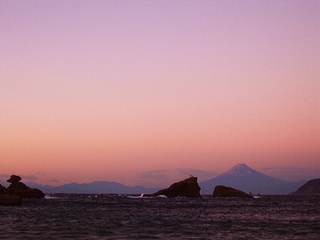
248	180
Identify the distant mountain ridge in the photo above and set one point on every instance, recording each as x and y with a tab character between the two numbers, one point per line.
248	180
240	177
94	187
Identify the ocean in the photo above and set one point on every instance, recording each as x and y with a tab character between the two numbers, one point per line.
107	216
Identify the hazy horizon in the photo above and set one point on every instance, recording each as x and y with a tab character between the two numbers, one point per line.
164	177
147	92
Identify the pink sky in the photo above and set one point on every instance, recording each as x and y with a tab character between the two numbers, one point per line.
148	92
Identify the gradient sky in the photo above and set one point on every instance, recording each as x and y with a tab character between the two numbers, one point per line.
148	92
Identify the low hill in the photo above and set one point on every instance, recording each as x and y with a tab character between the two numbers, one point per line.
312	187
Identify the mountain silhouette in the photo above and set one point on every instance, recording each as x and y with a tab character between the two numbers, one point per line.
94	187
248	180
312	187
240	177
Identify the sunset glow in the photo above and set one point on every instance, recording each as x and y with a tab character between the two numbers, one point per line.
124	90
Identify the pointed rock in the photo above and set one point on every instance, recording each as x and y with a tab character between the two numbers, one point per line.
20	189
186	188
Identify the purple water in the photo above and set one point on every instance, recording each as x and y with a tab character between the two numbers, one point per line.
103	216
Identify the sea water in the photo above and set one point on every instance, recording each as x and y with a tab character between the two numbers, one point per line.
105	216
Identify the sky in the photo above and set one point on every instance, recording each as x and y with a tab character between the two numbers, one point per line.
150	92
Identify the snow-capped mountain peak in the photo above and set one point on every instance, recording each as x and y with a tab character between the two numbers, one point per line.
246	179
240	170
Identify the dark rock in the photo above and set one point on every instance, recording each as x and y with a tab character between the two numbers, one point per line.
18	188
223	191
10	200
3	190
186	188
312	187
14	179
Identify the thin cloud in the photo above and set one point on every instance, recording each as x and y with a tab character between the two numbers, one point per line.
292	174
40	173
25	177
3	175
158	175
177	173
201	174
53	180
282	169
29	177
164	178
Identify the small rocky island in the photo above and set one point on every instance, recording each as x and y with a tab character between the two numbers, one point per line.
16	191
223	191
186	188
312	187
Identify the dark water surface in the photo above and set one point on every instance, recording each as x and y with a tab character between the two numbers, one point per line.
103	216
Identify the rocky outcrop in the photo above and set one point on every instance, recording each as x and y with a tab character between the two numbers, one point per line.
312	187
10	200
20	189
186	188
223	191
3	190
